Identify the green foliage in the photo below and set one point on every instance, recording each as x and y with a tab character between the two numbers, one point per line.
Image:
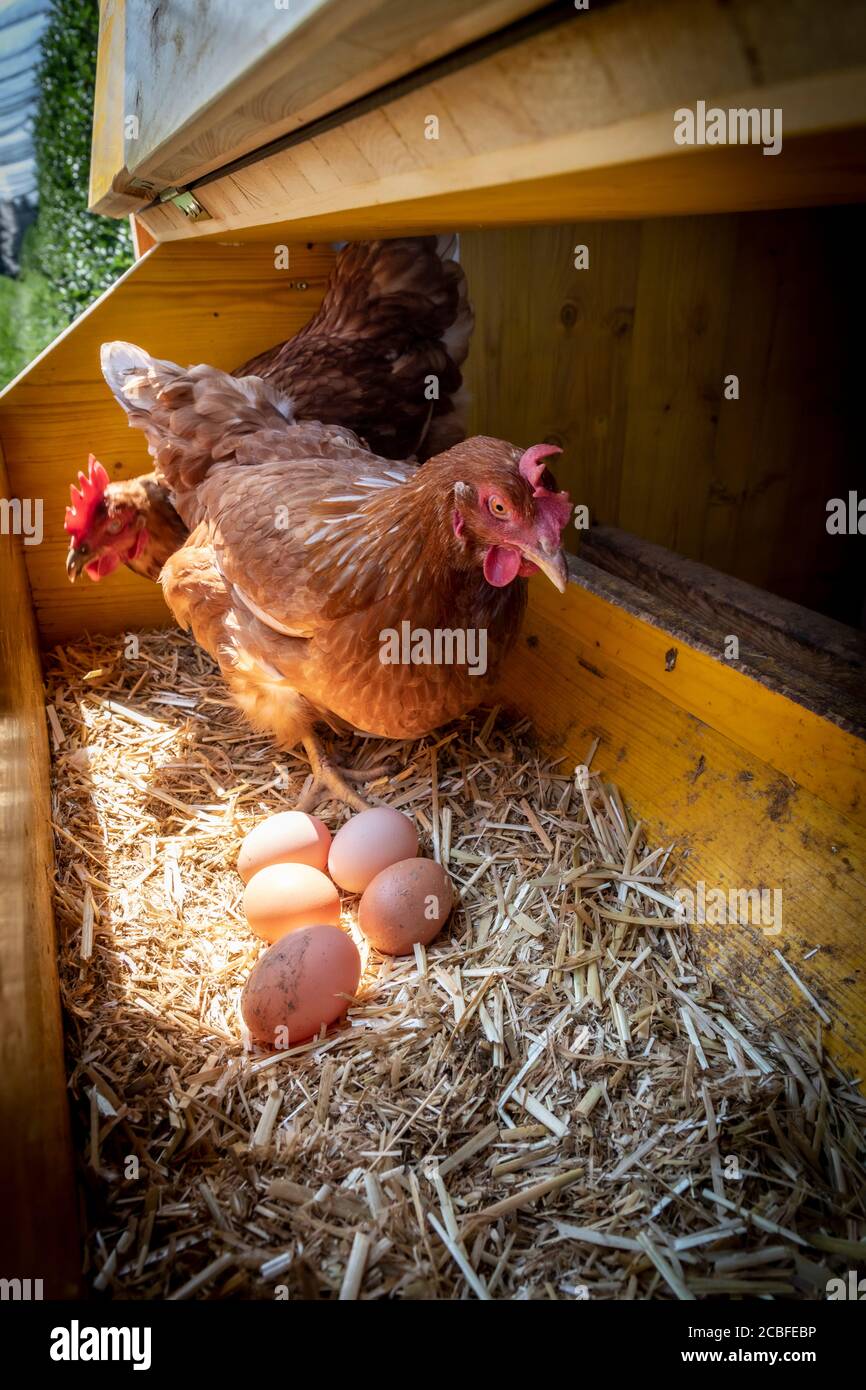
69	255
30	319
80	255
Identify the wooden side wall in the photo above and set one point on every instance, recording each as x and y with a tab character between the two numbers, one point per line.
623	364
38	1236
751	790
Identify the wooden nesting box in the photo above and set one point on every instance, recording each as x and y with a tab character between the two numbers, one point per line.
708	644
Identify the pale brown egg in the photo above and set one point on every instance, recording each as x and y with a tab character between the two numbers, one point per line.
289	837
368	843
406	903
282	897
305	980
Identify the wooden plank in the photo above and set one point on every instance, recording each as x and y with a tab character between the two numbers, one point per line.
141	238
38	1233
812	659
528	187
221	307
676	378
551	354
202	89
110	184
705	767
803	746
578	122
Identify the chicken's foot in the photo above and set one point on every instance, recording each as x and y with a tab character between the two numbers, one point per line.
366	774
330	778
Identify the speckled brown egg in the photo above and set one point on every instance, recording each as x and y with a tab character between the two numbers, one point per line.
406	903
368	843
289	837
304	981
283	897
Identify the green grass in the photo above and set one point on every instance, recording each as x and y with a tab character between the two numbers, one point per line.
30	318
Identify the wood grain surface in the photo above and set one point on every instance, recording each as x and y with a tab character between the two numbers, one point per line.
750	795
576	121
38	1233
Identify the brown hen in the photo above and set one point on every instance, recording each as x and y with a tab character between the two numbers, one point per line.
392	331
298	569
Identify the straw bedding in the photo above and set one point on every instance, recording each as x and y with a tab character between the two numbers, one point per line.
552	1101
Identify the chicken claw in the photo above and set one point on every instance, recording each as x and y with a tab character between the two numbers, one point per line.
329	778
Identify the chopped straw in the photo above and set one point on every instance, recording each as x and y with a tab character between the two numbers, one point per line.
552	1097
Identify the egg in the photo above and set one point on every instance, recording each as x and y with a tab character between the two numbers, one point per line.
305	980
289	837
406	903
282	897
368	843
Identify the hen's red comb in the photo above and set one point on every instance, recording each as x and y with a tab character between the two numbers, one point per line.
85	498
531	467
553	508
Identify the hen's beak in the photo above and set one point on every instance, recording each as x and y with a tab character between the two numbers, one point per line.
551	563
75	562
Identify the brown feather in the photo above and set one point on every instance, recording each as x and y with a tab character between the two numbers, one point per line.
166	532
335	550
394	314
299	564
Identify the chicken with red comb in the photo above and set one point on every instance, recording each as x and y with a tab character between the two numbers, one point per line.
395	315
130	522
298	570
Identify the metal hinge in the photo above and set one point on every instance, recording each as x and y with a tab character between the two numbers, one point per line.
187	202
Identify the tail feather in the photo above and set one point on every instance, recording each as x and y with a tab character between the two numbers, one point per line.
191	418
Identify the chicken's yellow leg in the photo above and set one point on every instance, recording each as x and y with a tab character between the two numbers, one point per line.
328	777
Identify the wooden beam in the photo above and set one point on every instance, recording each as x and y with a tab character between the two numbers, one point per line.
549	130
807	657
200	94
141	238
747	802
38	1232
111	186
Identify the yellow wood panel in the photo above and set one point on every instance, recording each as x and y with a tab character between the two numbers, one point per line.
810	750
712	780
220	306
38	1237
109	177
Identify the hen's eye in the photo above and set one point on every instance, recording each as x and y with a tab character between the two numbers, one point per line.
113	527
497	506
